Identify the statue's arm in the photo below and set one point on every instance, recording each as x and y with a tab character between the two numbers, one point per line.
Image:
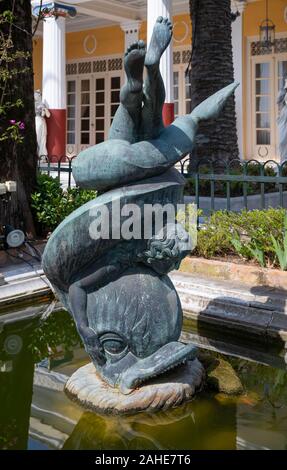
78	295
47	112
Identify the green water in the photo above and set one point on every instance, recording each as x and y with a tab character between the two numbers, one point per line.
36	414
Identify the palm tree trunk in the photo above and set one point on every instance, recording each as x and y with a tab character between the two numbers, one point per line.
212	69
18	160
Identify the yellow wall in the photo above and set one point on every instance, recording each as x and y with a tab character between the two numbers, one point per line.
179	22
110	40
256	12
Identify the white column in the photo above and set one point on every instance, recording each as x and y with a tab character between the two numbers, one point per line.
54	62
156	8
237	44
131	30
54	72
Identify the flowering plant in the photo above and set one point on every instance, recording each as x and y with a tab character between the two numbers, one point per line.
10	70
13	131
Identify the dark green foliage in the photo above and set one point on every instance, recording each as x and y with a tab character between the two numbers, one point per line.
281	249
51	204
58	329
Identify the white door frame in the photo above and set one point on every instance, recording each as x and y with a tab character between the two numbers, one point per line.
250	128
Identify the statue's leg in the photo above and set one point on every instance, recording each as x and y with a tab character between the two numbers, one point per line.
110	164
127	118
154	91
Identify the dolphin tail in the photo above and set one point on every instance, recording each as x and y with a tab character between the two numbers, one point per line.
212	106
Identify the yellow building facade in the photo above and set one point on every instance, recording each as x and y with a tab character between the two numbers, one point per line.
94	75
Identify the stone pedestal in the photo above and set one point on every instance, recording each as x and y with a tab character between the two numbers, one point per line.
166	391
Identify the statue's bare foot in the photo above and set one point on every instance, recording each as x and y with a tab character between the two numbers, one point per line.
134	65
161	37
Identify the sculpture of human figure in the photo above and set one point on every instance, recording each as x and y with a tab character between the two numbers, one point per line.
41	113
139	147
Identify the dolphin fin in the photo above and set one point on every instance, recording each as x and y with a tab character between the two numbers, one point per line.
212	106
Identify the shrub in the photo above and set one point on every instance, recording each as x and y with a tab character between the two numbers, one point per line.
51	204
248	234
281	250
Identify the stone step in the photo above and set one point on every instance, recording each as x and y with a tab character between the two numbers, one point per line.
24	287
232	306
262	297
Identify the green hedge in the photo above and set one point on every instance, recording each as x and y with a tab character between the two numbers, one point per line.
51	204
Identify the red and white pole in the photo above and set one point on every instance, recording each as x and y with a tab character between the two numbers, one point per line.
54	74
156	8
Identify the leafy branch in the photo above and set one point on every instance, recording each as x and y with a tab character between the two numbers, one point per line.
12	65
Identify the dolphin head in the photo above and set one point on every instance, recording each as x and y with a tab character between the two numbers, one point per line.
138	320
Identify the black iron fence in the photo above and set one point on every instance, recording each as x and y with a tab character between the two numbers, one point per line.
236	185
212	185
60	168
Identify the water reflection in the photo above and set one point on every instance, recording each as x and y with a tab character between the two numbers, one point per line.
16	385
204	423
258	419
22	344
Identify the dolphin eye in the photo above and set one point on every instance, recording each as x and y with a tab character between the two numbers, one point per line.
113	343
114	346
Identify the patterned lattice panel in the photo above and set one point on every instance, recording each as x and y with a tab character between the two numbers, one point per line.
71	69
281	45
85	67
100	66
115	64
258	49
177	57
186	55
